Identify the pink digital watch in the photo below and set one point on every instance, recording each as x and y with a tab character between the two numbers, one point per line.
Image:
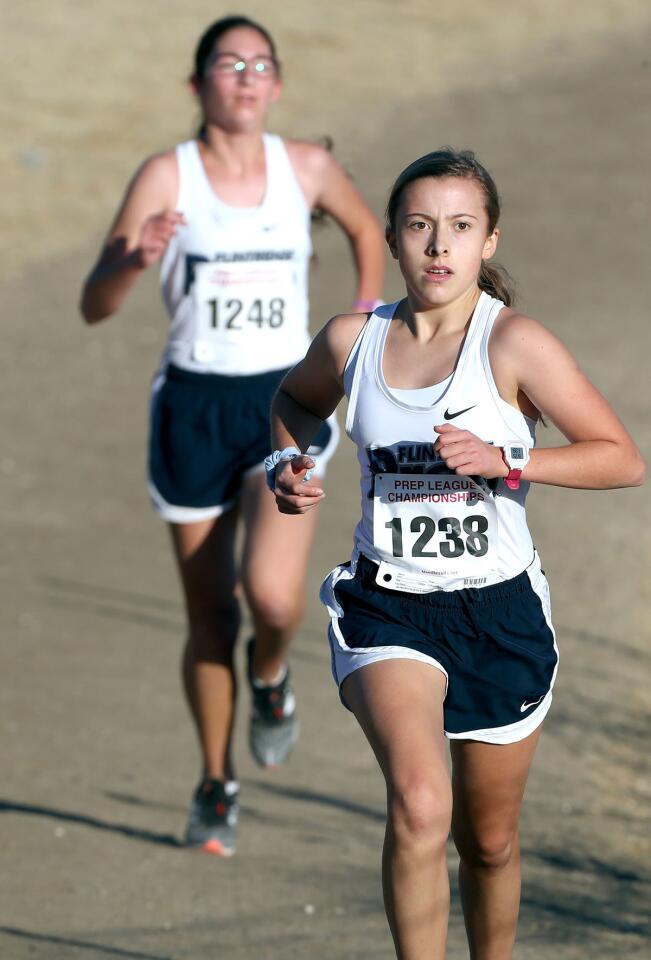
516	457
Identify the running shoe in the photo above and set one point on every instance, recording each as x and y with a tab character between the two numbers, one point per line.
273	726
213	817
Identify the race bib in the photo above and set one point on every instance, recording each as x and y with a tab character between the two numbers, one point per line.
433	530
240	304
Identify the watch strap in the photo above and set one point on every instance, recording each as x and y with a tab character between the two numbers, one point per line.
512	479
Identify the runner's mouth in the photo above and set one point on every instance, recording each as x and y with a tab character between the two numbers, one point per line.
438	273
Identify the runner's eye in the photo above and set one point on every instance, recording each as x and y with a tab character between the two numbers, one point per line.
462	226
259	66
227	65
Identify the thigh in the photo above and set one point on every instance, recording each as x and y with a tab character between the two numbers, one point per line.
205	553
488	783
399	706
276	545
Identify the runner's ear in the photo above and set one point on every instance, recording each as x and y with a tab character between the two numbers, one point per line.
390	237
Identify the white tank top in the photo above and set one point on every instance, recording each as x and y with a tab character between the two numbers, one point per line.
234	280
425	526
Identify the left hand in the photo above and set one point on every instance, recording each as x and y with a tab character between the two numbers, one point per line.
467	455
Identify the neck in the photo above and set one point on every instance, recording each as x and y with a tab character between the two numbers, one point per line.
427	322
235	149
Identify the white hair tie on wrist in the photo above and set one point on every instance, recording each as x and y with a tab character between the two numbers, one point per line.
282	456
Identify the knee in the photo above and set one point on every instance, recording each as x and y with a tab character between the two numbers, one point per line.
492	850
420	813
276	607
213	626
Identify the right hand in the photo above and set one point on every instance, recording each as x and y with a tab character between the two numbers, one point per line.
292	494
155	234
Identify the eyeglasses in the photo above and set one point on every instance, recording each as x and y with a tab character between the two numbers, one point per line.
226	65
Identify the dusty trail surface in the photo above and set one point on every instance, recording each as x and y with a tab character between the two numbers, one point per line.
99	755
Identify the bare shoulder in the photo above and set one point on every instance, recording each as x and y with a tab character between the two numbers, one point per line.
525	353
316	169
320	373
153	188
160	172
339	336
515	332
309	158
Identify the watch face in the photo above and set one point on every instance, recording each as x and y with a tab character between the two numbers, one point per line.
516	453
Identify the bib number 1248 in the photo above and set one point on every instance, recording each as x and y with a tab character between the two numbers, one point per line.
229	314
459	537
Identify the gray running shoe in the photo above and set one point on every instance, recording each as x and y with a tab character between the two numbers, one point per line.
273	726
213	817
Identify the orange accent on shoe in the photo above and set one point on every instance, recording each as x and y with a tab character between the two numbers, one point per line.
216	848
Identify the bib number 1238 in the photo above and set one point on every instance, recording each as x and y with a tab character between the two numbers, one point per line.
456	536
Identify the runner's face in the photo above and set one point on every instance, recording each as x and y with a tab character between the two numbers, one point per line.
440	238
240	82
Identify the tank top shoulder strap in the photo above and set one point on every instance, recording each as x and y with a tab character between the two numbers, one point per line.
496	307
491	311
486	309
363	356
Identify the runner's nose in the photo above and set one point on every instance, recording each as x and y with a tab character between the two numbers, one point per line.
437	245
246	77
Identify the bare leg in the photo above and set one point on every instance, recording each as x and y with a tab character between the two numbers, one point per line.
276	552
399	705
488	784
204	553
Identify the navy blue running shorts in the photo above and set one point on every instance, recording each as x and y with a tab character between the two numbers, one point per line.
495	644
209	431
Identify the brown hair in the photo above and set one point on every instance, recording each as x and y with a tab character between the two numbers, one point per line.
209	38
446	162
206	46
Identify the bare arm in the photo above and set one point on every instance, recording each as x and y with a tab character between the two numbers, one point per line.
307	396
327	186
138	237
529	359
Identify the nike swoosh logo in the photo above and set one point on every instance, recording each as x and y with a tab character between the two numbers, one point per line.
452	416
526	706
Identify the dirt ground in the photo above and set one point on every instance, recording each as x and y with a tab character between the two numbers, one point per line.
98	754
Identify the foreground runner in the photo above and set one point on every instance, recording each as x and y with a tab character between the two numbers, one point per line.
440	623
228	214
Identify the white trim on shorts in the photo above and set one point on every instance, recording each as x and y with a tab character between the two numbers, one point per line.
175	514
345	660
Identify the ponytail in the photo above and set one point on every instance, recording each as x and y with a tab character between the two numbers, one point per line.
497	282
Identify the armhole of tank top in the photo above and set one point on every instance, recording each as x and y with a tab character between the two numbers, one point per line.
356	361
279	155
181	203
509	414
183	162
